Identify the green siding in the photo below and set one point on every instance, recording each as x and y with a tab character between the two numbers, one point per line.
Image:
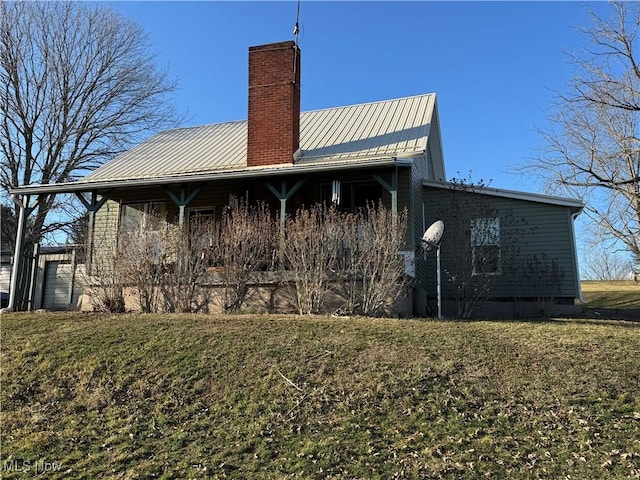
106	226
527	228
419	172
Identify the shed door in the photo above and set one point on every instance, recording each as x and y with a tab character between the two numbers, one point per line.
57	277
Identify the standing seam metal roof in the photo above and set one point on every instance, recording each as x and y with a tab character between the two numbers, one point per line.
398	127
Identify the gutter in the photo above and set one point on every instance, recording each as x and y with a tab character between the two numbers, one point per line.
85	186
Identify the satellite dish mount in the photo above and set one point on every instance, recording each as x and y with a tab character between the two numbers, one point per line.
431	238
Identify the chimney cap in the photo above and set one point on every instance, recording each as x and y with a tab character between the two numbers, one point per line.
274	46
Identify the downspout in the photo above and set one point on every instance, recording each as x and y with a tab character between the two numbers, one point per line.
574	216
17	253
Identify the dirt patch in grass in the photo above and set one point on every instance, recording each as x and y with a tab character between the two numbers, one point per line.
156	396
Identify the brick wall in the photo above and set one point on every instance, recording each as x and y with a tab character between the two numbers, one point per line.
274	104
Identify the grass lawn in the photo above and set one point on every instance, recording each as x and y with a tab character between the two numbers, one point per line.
621	294
158	396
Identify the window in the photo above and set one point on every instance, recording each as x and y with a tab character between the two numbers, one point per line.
351	196
142	227
150	216
201	225
200	220
485	246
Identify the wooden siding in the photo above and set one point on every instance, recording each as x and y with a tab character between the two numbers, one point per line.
527	229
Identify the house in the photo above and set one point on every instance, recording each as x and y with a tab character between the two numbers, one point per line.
388	150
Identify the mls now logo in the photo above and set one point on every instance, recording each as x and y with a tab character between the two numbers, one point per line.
25	466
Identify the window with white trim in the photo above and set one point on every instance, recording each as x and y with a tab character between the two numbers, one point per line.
485	246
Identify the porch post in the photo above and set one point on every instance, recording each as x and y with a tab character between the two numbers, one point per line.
33	274
72	278
283	195
182	201
392	189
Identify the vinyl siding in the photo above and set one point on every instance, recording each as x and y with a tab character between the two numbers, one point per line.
419	171
106	229
527	229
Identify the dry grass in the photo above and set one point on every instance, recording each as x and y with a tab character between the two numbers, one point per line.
612	294
160	396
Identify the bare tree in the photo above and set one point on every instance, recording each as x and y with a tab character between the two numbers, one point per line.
606	264
593	142
77	86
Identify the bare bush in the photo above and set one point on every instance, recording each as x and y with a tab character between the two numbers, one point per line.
105	287
143	253
346	277
310	250
382	236
246	243
162	264
184	268
544	276
355	255
469	221
369	267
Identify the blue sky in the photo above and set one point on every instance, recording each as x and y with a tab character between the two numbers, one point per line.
493	65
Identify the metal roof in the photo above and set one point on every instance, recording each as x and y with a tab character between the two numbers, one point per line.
342	137
382	129
513	194
181	151
397	127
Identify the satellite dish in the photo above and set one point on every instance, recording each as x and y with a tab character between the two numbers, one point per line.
434	233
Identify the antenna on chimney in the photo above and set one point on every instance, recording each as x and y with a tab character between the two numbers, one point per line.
296	28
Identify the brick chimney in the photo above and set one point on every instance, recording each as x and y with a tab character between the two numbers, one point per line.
274	104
